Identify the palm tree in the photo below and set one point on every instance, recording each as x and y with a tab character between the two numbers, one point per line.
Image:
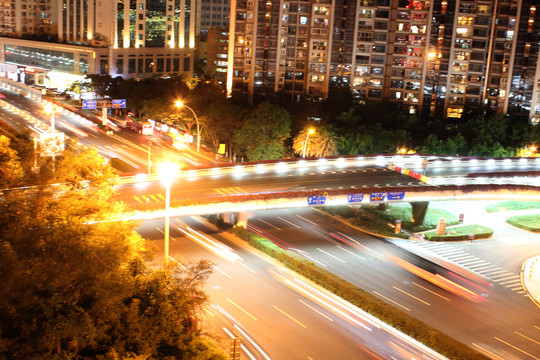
318	142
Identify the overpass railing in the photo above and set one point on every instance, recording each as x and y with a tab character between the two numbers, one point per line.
414	162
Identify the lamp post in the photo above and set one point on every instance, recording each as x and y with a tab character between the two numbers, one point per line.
168	171
49	109
149	158
310	131
179	104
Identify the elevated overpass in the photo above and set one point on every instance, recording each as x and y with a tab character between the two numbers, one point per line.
417	179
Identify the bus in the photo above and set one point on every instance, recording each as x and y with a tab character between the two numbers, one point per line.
177	141
440	272
142	127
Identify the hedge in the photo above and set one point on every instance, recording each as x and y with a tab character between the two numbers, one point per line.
462	233
526	222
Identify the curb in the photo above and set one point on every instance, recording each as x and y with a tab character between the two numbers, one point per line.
522	274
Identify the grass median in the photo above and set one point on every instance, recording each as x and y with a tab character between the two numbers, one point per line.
526	222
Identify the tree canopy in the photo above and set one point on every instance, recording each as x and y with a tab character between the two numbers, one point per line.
262	132
78	286
355	127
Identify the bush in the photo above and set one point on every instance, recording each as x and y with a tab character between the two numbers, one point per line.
458	233
526	222
372	218
513	205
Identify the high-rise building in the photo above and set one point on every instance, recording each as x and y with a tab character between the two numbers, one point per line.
434	57
136	38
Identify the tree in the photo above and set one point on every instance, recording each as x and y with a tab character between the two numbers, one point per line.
320	143
10	165
222	119
262	132
77	285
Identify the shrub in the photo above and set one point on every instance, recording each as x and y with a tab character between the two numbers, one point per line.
526	222
513	205
461	233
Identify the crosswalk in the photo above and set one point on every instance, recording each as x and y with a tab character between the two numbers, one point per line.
160	198
473	263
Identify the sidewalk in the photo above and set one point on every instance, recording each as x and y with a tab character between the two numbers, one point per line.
530	278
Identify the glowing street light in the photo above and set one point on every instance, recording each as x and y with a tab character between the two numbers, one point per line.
180	104
310	131
168	171
49	109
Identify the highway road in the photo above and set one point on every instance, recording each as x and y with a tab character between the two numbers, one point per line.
276	313
504	326
123	144
316	178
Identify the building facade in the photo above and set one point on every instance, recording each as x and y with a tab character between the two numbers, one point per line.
434	57
72	38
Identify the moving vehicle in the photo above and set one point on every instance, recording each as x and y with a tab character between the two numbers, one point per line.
443	273
142	127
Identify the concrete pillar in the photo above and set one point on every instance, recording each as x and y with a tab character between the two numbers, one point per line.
228	218
242	219
419	209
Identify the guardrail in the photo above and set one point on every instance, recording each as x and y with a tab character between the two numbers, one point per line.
414	161
484	180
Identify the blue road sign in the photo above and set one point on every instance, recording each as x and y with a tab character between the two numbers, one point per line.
378	196
316	200
89	104
119	103
395	195
355	198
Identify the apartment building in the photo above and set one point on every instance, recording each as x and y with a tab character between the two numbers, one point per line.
434	57
137	38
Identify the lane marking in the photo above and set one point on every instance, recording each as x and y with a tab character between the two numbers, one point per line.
392	301
475	261
528	338
494	356
433	292
369	352
510	281
414	297
267	223
335	257
317	311
515	347
247	267
161	197
350	252
279	217
137	198
223	272
154	198
507	278
289	316
238	306
309	221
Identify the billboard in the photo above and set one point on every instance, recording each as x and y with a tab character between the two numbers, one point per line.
51	144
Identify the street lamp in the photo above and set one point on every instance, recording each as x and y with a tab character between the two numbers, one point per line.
310	131
49	109
168	171
179	104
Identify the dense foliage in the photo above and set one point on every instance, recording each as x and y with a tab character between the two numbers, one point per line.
76	286
341	125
